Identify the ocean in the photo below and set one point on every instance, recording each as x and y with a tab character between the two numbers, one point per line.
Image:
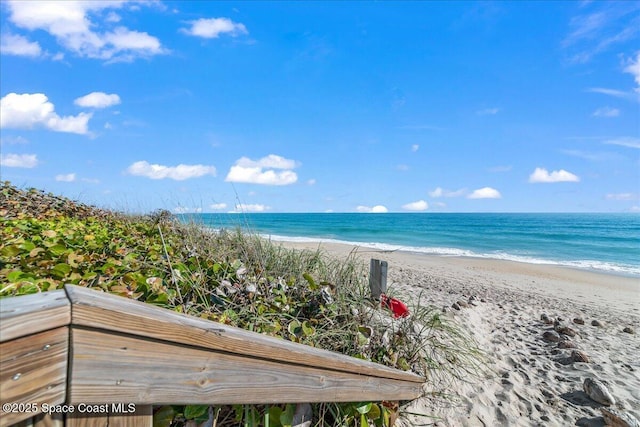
602	242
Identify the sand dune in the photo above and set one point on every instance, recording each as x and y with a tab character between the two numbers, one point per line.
531	381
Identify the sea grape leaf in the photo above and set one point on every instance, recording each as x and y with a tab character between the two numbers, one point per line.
192	412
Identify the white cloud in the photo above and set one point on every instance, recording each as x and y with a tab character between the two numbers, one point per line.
606	112
634	209
611	92
74	26
625	141
485	193
178	173
212	28
623	196
488	112
13	44
415	147
633	68
19	160
13	140
311	182
440	192
241	207
70	177
97	100
541	175
218	206
184	210
375	209
29	110
263	171
420	205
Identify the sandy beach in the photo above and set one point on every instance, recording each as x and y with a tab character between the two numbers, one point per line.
533	378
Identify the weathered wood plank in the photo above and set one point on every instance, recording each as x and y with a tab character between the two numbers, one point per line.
30	314
110	367
377	278
34	370
110	312
49	420
142	417
78	419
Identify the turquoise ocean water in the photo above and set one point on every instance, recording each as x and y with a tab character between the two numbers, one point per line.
603	242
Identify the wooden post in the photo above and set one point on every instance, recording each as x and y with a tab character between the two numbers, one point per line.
378	278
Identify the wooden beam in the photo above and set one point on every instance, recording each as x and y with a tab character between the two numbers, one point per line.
108	367
104	311
377	278
29	314
142	417
34	372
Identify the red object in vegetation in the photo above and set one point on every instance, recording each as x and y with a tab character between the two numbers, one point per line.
397	307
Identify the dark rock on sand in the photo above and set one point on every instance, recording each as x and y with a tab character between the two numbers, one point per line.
455	305
598	392
597	323
566	330
566	344
580	356
546	319
616	418
629	330
551	336
578	321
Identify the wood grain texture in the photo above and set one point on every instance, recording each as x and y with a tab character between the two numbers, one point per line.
143	417
87	420
49	420
118	368
30	314
109	312
34	370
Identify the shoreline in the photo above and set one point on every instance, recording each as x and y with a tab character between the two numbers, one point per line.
619	270
504	305
578	284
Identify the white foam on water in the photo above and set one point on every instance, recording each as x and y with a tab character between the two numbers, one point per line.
446	251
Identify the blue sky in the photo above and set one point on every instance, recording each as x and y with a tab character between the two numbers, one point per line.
324	106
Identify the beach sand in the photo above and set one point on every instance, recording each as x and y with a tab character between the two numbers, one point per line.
529	381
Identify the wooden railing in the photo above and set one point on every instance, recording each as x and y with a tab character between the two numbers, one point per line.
79	347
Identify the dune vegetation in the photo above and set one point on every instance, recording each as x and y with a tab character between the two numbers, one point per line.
234	278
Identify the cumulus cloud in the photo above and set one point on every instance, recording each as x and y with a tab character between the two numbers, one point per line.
212	28
625	141
485	193
76	27
263	171
633	68
374	209
251	207
178	173
19	160
17	45
415	147
218	206
420	205
541	175
606	112
69	177
97	100
31	110
441	192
